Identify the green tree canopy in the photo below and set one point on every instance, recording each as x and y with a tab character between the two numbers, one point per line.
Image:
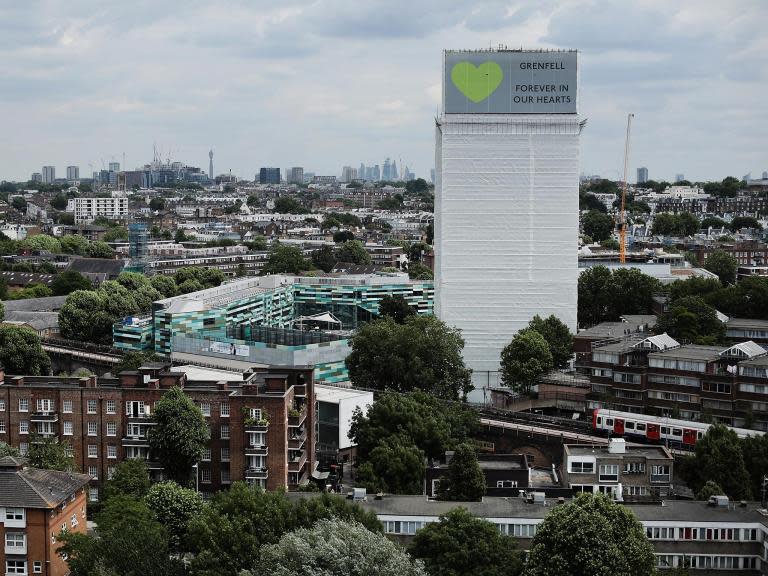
591	535
668	224
524	360
99	249
324	258
116	233
417	271
74	244
179	436
289	205
694	286
462	545
164	284
713	222
68	281
710	488
343	236
464	481
723	264
606	296
352	251
745	222
174	507
131	478
557	335
598	225
423	353
21	352
8	450
691	319
719	458
396	307
334	548
133	360
285	259
49	453
84	317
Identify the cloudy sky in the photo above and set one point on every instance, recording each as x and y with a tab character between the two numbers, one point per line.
325	83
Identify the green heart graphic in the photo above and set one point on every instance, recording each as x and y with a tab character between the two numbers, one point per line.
477	82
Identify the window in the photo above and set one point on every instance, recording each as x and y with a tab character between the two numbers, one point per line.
14	513
609	472
92	451
225	454
225	478
255	413
93	494
23	404
23	427
2	405
636	490
92	428
110	472
634	467
111	451
37	567
111	429
91	406
506	484
15	566
205	476
44	405
67	428
640	427
2	426
135	409
660	470
69	450
93	471
629	425
205	408
206	457
67	406
16	541
716	387
224	409
111	407
225	431
582	467
24	448
73	520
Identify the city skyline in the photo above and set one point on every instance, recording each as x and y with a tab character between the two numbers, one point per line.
126	76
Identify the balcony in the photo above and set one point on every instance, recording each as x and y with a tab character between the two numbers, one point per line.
296	418
44	417
260	426
296	464
139	441
256	474
253	450
295	442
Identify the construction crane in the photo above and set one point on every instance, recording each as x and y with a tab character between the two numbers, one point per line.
623	214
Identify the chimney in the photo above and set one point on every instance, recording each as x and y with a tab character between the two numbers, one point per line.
17	380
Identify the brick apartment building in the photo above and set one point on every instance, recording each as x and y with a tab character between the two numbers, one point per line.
261	428
35	505
657	375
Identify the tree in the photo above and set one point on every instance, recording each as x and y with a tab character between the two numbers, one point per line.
133	360
597	225
257	243
31	291
524	360
324	258
49	453
130	478
462	545
343	236
710	488
8	450
693	286
755	452
129	541
179	236
307	511
354	252
417	271
590	535
189	286
179	436
713	222
116	233
164	284
464	480
83	317
19	203
289	205
745	222
605	296
395	466
285	260
693	320
719	458
417	186
557	335
74	244
69	281
423	353
724	265
21	352
98	249
157	203
174	507
42	242
396	307
334	548
59	202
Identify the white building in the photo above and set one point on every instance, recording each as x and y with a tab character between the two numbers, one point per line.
88	209
506	201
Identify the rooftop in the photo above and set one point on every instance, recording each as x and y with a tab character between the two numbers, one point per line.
33	488
746	323
606	330
332	394
630	451
691	352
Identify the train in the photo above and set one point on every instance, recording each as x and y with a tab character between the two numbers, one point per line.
655	429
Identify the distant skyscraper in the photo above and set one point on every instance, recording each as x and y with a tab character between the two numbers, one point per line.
393	175
73	173
49	174
642	175
348	174
36	177
296	175
765	175
114	166
210	164
361	172
386	173
679	177
376	175
269	176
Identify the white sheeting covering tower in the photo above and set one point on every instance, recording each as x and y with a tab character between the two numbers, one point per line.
506	228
